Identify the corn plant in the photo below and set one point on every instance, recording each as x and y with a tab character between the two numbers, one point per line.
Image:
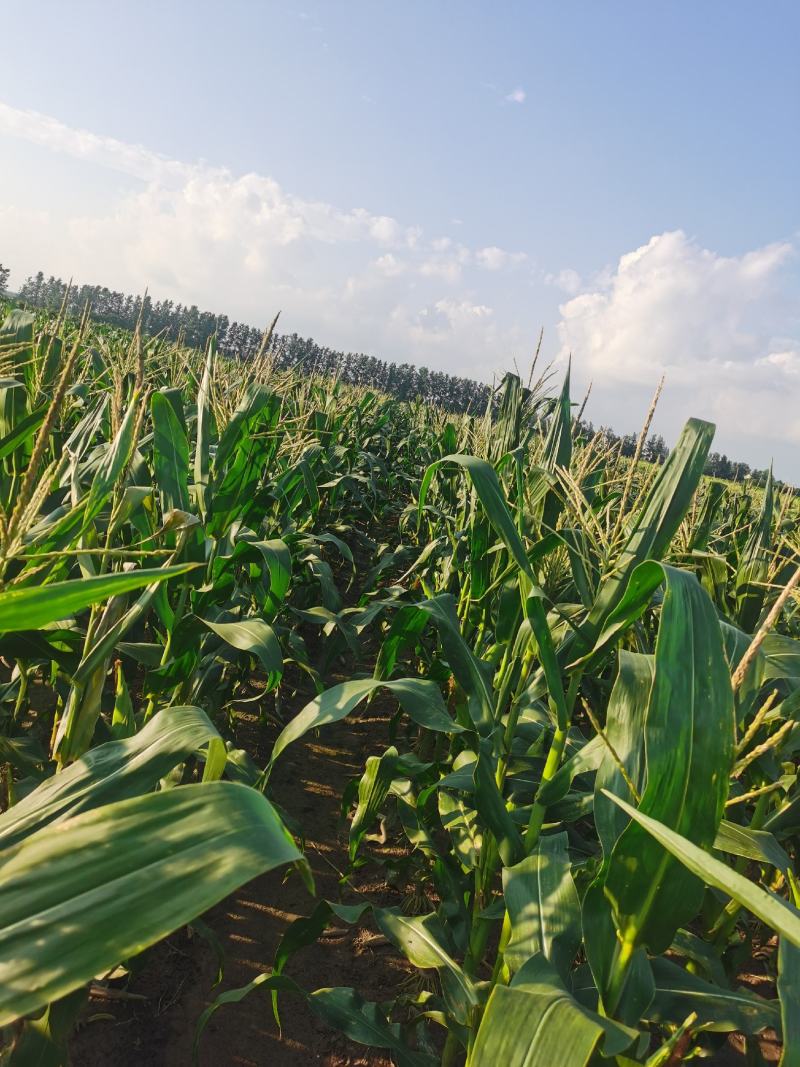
602	813
154	512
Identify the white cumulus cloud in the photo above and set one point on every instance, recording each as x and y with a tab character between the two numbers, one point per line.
709	323
674	307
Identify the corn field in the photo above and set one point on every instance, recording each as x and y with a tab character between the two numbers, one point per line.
591	666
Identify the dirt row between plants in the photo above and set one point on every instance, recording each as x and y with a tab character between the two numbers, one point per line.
151	1018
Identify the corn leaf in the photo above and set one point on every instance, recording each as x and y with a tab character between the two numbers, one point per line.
543	906
782	917
789	994
689	752
77	898
110	772
34	607
420	699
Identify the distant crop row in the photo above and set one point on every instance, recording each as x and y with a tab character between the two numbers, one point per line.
405	381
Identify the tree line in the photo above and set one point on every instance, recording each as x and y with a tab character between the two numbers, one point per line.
189	325
655	450
193	327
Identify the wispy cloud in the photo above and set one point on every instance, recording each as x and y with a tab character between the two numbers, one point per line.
721	327
135	160
244	244
568	280
516	96
494	258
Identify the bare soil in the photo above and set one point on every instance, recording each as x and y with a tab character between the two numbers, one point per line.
175	979
174	982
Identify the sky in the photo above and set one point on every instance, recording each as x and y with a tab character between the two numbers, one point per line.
433	182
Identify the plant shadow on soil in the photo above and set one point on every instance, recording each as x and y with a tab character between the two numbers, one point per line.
176	977
151	1019
174	981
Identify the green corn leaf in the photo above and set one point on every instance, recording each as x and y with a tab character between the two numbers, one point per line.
170	455
461	822
689	752
643	582
543	906
16	337
782	917
678	993
216	759
113	464
655	525
308	928
373	788
534	610
34	607
50	355
421	939
77	725
490	493
256	637
408	623
44	1040
752	574
256	400
736	642
491	497
22	431
123	723
782	658
114	623
70	524
133	499
626	719
586	760
758	845
114	771
364	1022
266	981
557	451
79	897
202	448
472	674
275	554
492	808
420	699
786	820
536	1023
789	994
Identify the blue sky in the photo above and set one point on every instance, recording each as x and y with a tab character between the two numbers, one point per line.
433	182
